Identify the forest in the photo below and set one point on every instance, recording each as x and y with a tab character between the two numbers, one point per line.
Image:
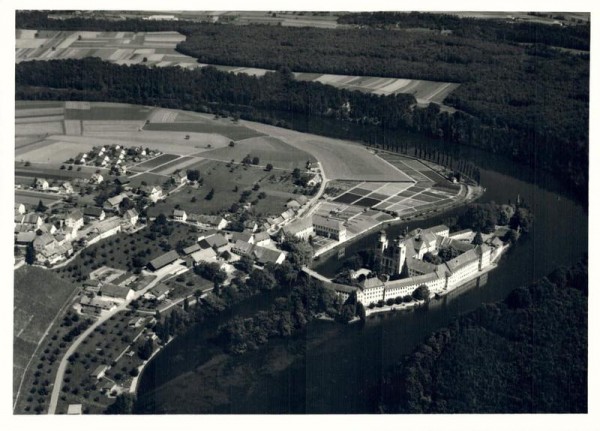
527	354
208	90
523	94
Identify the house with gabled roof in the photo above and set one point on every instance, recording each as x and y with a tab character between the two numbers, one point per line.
154	193
94	212
301	228
20	208
179	215
116	293
163	260
131	216
96	178
41	184
32	220
66	187
180	177
243	236
262	238
204	255
158	292
265	255
74	219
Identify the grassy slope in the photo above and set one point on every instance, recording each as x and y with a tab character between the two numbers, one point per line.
39	295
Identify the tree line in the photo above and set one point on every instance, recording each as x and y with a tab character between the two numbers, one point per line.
527	354
260	99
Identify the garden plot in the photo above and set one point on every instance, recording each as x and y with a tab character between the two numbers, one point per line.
162	116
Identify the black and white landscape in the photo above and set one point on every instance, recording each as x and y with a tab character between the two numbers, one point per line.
301	212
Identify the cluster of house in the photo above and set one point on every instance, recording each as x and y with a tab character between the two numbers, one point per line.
254	245
393	256
115	157
292	208
52	236
212	244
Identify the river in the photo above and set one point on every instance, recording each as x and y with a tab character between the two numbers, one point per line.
332	368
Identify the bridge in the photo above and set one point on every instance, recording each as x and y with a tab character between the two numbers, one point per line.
315	274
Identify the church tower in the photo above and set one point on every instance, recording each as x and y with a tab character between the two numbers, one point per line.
383	242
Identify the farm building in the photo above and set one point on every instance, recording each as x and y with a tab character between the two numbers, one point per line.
115	292
101	230
265	255
32	220
204	255
163	260
25	237
216	222
94	212
158	292
99	372
216	241
112	204
95	305
191	249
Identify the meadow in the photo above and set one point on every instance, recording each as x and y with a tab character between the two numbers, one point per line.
228	184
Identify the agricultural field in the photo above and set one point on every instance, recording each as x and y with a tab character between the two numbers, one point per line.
267	149
39	295
341	160
152	49
158	49
230	131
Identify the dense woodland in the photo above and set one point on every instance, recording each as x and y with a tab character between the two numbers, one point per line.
519	95
527	354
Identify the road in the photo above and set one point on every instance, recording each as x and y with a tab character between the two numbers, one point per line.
164	272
